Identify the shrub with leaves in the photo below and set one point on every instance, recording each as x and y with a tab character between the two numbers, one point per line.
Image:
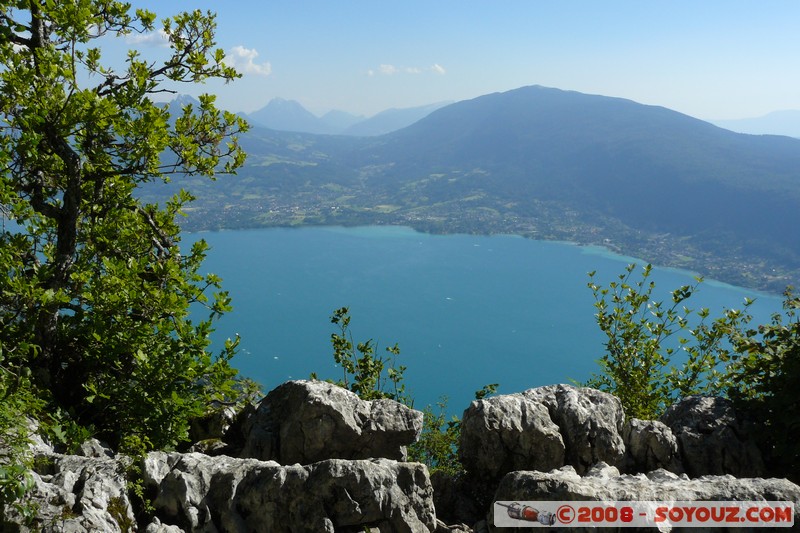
644	338
765	380
437	446
363	368
363	373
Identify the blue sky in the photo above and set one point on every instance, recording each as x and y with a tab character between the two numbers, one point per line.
711	59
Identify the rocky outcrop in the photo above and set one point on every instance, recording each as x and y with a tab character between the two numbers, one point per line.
712	438
590	421
507	433
314	457
76	493
604	482
201	493
541	429
650	445
308	421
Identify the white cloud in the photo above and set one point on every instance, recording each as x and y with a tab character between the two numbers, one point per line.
243	60
391	70
154	38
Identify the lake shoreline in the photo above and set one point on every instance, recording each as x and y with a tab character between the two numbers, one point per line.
770	289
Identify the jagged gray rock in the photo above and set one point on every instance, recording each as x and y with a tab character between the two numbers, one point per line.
542	429
712	439
308	421
604	482
650	445
78	494
157	527
201	493
590	422
95	448
509	432
503	438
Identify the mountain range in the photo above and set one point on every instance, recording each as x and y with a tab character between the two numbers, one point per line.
784	122
289	115
545	163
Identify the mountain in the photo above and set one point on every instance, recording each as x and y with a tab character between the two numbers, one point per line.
392	120
176	105
614	161
545	163
605	153
288	115
339	121
785	122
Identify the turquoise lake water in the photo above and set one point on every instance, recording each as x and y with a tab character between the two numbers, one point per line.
465	310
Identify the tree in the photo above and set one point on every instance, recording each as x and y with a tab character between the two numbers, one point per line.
95	291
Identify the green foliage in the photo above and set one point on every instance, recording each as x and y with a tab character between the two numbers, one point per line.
766	380
437	446
63	431
136	448
362	373
95	291
645	336
362	369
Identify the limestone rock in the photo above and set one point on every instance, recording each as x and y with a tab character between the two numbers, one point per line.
78	494
157	527
650	445
95	448
506	433
308	421
201	493
712	439
542	429
590	422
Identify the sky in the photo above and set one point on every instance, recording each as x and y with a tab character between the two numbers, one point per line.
712	59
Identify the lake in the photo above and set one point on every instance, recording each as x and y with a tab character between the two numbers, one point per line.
466	310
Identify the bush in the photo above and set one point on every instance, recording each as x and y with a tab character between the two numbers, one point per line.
765	380
363	373
363	369
644	337
758	368
437	446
